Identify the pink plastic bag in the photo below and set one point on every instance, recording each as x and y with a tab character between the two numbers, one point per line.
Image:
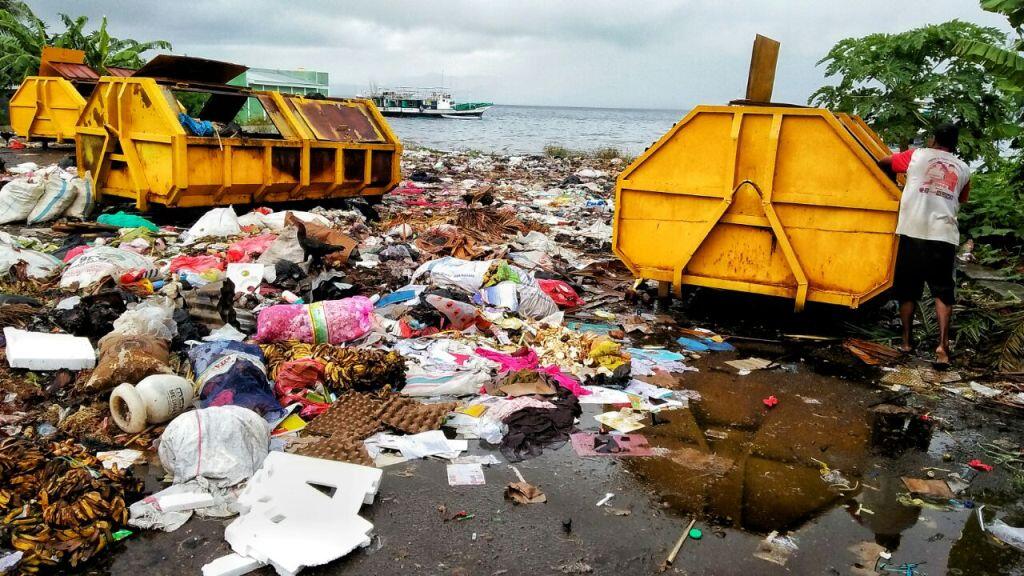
197	264
244	250
330	322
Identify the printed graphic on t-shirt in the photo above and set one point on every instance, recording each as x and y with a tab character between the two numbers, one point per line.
940	179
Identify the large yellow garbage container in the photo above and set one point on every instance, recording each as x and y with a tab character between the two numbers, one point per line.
130	136
778	200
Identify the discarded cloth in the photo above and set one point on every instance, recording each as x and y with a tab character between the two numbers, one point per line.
332	322
530	430
228	372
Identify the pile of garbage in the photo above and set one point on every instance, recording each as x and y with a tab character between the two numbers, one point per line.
270	351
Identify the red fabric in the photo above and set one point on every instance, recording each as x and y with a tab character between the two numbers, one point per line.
561	293
295	379
15	145
243	250
901	161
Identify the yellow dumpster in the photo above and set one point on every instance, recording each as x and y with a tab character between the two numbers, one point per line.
784	201
130	136
764	198
47	106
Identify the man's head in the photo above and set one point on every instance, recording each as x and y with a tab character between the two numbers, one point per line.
946	136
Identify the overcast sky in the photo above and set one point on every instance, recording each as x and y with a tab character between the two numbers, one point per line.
643	54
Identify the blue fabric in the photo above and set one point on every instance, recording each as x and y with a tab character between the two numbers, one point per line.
231	372
196	127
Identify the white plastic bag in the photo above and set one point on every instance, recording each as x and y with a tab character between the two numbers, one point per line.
534	303
450	272
218	222
98	262
83	201
40	264
18	198
57	196
152	317
219	446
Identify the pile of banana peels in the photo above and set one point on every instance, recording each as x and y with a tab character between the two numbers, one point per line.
344	368
58	504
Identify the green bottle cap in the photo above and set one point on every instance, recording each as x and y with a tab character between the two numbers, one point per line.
695	533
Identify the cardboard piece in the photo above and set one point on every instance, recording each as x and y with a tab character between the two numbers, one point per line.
749	364
299	511
524	493
469	474
621	421
527	388
44	351
935	488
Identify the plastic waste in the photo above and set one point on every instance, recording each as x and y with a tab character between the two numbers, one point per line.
229	372
83	202
460	315
561	293
218	222
534	303
18	197
154	400
220	446
332	321
57	196
98	263
198	264
40	265
125	220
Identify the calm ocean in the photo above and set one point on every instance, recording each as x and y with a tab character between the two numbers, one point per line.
527	129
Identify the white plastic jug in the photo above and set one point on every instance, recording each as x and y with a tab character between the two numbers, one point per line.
155	399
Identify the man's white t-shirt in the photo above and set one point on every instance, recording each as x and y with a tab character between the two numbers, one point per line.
931	197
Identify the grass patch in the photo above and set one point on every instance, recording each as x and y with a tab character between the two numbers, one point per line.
561	152
556	151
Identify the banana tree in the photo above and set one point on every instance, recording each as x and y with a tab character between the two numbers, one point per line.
1007	62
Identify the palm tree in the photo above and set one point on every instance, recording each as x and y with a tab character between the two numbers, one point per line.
22	37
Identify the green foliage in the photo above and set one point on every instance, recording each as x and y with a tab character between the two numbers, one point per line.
903	84
989	332
23	36
192	101
995	210
555	151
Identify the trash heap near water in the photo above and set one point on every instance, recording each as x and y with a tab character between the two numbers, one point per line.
265	350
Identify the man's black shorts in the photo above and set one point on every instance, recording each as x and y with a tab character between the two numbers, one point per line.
919	261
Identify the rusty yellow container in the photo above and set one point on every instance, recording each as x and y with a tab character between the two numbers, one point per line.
776	200
131	138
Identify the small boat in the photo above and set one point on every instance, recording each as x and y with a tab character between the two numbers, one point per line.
426	102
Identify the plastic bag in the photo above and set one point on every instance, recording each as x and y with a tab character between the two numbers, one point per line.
535	303
98	262
460	314
331	322
198	264
40	265
449	272
244	250
57	196
125	220
83	201
218	222
124	358
561	293
219	446
153	317
228	372
18	197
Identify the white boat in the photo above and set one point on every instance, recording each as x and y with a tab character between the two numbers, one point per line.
426	102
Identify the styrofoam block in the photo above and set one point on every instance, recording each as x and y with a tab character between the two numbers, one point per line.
231	565
184	501
290	522
44	351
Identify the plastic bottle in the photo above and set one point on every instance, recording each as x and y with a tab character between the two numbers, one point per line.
155	399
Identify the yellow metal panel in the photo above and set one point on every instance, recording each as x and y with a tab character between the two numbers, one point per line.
763	199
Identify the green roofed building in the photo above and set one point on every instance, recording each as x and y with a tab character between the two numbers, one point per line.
284	81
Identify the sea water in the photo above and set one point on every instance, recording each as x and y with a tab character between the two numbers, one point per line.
528	129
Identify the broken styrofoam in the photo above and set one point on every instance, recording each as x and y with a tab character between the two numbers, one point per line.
44	351
300	511
231	565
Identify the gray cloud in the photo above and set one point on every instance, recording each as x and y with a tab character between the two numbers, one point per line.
655	53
